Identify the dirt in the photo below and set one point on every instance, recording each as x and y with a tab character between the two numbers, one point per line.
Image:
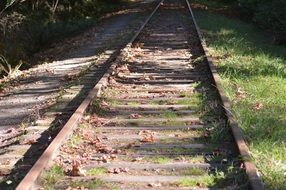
127	149
36	88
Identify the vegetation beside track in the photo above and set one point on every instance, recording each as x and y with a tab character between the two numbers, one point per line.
26	27
253	72
268	15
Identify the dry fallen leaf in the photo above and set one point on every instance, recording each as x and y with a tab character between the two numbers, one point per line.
76	165
154	184
216	152
123	69
240	93
137	159
6	162
97	121
144	132
29	141
135	116
258	106
76	188
104	104
118	170
148	136
147	139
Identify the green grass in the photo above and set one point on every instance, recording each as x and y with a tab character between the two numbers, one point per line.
247	59
3	85
218	179
159	159
91	184
75	140
55	174
97	108
170	115
133	103
96	171
194	101
204	181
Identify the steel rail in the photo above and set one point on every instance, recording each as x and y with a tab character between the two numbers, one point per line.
251	170
29	182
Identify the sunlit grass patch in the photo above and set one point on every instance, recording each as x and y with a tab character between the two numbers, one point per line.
173	122
170	115
52	176
90	184
253	72
96	171
218	179
75	140
202	181
160	159
166	159
133	103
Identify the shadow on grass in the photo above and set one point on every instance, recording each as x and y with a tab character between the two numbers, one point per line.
249	59
245	43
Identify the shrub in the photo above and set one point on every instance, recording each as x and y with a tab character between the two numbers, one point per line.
269	15
29	26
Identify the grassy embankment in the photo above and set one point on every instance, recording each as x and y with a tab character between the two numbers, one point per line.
253	72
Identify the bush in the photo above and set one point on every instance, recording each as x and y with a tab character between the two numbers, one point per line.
28	26
269	15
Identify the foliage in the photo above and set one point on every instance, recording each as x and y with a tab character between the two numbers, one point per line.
29	26
270	15
253	72
55	174
7	68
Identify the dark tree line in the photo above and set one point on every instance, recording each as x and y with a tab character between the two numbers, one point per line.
26	26
267	14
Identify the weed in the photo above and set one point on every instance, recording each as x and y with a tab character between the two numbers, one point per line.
55	174
133	103
191	182
76	139
7	68
193	172
187	101
96	171
97	108
160	159
170	115
3	86
91	184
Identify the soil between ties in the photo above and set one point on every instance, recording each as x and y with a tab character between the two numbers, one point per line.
22	144
157	124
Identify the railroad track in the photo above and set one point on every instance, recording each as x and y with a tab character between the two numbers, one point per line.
156	119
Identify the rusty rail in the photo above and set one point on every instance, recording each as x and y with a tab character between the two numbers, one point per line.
251	170
30	180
